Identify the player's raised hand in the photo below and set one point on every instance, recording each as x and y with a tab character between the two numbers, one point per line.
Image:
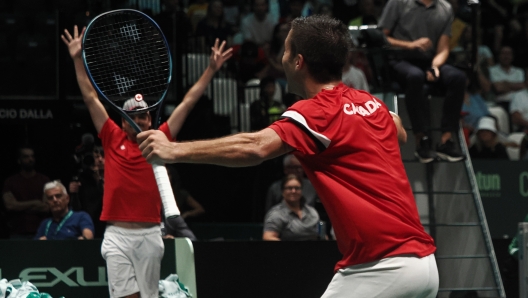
155	147
74	42
218	55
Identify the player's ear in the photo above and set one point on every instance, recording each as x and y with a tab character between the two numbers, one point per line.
299	61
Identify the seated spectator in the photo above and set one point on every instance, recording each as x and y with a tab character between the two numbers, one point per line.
213	26
291	219
22	195
258	26
265	110
422	59
487	144
291	165
474	107
507	80
232	13
354	77
519	111
64	223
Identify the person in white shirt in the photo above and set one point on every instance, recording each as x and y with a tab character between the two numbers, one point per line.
507	80
258	26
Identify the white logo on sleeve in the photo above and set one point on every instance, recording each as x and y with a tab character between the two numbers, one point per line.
371	106
122	147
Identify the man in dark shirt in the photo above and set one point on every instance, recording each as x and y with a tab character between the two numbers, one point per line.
422	29
22	195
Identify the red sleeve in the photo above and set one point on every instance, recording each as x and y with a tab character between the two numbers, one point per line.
295	136
166	130
109	127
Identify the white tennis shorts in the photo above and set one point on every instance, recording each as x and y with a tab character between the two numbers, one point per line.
133	260
402	276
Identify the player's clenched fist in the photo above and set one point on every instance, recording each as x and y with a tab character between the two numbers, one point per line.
155	147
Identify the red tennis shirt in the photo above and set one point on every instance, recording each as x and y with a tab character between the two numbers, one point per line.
130	191
347	143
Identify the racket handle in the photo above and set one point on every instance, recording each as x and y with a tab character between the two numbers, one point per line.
165	189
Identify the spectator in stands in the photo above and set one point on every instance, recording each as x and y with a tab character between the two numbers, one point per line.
354	77
63	223
474	106
258	26
213	26
266	109
22	195
368	14
87	189
507	80
487	145
292	218
519	111
291	165
275	52
422	30
232	14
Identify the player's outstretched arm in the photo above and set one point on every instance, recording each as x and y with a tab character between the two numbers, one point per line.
96	108
240	150
216	60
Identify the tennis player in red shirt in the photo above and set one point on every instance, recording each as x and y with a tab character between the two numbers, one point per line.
347	143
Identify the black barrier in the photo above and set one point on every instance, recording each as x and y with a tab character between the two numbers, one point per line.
69	268
503	187
261	269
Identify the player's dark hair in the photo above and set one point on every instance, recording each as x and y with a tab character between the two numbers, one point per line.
324	43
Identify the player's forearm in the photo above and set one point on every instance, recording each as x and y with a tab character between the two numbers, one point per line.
87	90
198	89
239	150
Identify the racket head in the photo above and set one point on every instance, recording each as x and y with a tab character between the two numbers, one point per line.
127	58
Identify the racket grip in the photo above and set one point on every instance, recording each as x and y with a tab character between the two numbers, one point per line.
165	189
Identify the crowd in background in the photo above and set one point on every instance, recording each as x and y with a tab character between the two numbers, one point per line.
494	115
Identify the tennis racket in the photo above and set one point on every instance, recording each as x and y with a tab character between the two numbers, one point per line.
127	57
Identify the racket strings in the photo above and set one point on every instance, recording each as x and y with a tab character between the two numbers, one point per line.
126	56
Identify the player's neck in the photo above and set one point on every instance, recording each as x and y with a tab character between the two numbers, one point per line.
311	88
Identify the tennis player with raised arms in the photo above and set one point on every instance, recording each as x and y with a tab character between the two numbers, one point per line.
132	245
347	143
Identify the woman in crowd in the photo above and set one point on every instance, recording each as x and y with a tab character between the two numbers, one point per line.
291	219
